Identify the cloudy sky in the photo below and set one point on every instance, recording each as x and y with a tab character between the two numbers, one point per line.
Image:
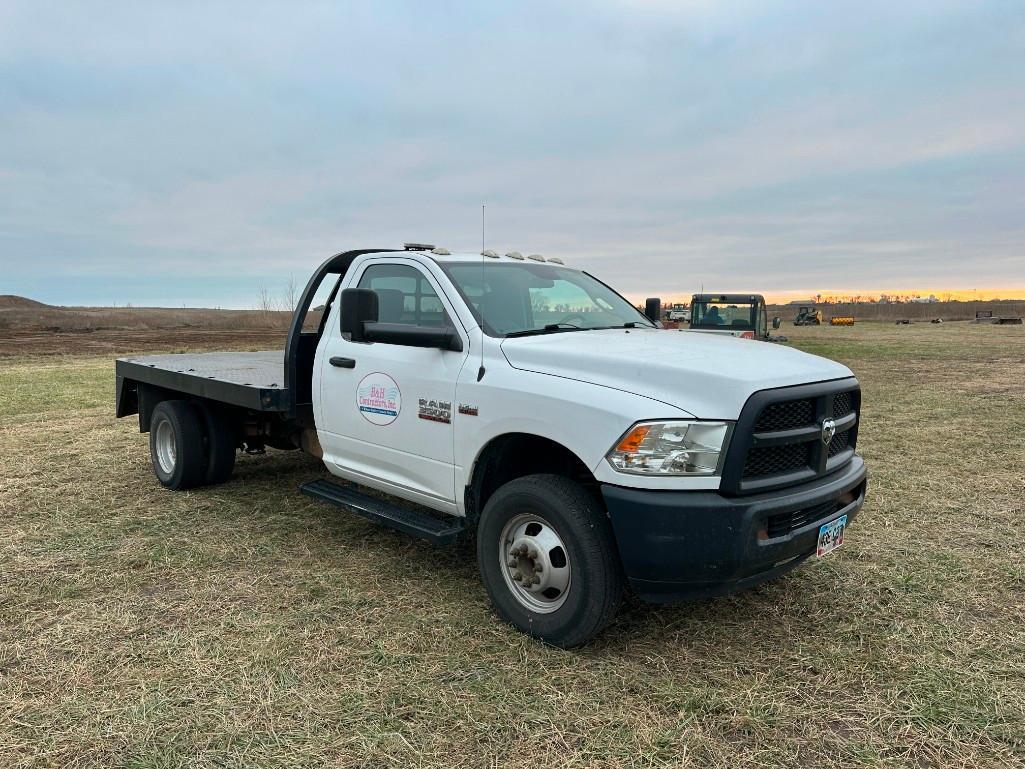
190	153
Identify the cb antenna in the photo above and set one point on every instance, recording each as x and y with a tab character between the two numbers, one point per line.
483	259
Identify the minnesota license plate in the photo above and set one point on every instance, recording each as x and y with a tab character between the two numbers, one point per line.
831	536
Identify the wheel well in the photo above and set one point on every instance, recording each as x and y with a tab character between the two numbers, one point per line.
515	455
149	396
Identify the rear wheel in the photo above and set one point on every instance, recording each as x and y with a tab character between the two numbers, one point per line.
548	559
177	446
221	445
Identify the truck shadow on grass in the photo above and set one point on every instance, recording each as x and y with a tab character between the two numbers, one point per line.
445	581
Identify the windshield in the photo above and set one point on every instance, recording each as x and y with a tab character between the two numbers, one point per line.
733	314
524	298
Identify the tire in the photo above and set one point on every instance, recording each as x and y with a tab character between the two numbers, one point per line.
527	513
177	446
219	432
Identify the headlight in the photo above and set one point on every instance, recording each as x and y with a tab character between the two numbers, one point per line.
671	448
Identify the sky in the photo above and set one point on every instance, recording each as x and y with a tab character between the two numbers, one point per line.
194	153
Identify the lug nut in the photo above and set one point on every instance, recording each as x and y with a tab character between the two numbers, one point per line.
511	563
532	552
518	577
538	568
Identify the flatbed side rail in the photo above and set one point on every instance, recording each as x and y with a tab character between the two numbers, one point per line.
246	396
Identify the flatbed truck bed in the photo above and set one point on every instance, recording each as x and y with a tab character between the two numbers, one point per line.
251	380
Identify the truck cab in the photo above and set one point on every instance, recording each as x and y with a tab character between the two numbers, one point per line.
524	402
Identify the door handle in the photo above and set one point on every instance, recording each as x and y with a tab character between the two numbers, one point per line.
343	362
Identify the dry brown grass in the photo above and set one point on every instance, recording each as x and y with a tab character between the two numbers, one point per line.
25	315
28	327
246	625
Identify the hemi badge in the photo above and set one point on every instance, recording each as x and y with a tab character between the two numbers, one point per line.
470	411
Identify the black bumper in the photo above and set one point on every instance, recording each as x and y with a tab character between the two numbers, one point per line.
679	545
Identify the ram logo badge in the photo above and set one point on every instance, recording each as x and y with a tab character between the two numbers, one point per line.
436	411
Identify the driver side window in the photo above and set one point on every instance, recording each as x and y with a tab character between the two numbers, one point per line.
404	295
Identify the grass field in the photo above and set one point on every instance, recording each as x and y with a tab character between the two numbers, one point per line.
245	625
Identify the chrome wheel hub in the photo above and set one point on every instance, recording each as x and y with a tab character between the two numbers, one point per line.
166	451
535	563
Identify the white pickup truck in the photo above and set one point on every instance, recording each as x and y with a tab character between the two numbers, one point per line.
528	404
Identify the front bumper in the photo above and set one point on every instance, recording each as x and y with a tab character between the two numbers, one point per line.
679	545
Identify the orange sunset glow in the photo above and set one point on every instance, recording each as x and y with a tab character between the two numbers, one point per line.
853	294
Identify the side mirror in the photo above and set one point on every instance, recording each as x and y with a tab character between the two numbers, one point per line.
359	306
653	309
443	338
776	321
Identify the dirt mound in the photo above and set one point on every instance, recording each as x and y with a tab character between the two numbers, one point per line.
12	302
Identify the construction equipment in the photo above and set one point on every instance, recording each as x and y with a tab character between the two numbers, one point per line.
808	316
842	320
741	315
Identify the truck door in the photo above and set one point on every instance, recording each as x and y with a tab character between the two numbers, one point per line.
387	420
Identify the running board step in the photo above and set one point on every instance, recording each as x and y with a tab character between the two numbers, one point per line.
417	524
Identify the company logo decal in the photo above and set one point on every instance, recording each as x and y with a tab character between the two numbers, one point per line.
436	411
378	398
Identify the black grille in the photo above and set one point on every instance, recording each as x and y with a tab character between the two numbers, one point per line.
785	415
843	404
778	438
781	524
770	460
839	443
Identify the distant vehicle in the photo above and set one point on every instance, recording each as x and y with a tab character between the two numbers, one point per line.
678	312
741	315
808	316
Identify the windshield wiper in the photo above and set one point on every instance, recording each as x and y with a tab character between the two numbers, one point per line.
628	324
551	328
564	327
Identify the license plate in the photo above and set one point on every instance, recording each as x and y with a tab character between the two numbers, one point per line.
831	536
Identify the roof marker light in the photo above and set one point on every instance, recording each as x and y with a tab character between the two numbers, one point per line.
440	251
555	260
489	253
515	255
536	257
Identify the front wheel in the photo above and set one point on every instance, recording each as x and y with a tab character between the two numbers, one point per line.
548	559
